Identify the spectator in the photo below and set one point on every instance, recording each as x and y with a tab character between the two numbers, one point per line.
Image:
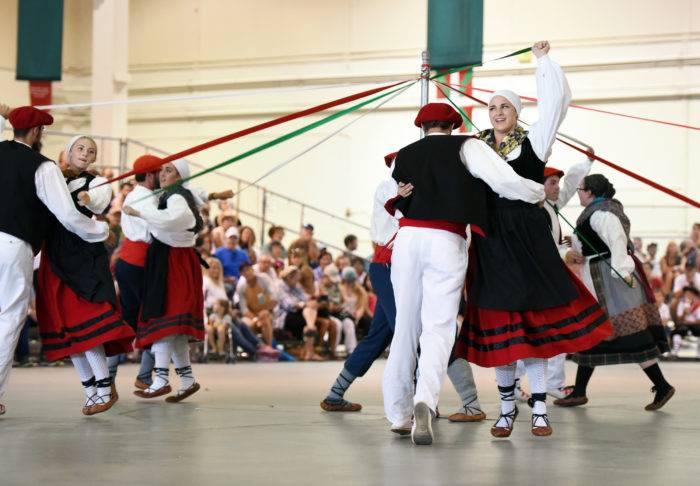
330	304
247	243
307	244
276	234
689	278
354	303
358	264
639	249
203	245
652	258
124	188
204	212
218	234
231	258
342	262
687	318
297	314
298	258
218	324
350	242
670	266
256	302
324	260
276	254
695	235
213	284
265	267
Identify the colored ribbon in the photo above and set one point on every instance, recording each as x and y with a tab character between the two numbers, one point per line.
469	66
262	126
619	168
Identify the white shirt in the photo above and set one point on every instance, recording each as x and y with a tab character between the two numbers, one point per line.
384	226
554	96
136	229
682	281
100	197
610	230
172	224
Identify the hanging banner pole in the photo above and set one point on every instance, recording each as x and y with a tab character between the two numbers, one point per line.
424	81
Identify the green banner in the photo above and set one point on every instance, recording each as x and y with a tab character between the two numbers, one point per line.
455	32
39	40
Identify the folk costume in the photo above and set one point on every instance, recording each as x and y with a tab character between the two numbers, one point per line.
602	235
523	302
172	309
34	201
429	259
77	309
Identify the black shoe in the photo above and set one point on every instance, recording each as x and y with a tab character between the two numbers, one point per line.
660	399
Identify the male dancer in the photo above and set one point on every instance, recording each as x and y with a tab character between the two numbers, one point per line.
34	193
429	260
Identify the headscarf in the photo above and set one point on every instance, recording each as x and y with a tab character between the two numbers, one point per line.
513	98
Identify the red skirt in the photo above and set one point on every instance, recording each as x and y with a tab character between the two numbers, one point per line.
184	301
495	338
69	324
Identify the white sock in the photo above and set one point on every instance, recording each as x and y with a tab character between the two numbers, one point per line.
82	367
162	350
537	374
181	360
505	378
98	362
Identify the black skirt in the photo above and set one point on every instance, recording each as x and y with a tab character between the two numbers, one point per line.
518	263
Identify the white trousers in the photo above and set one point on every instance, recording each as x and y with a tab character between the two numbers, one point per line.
16	261
428	267
556	375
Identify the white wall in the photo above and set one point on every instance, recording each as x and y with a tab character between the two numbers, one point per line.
637	57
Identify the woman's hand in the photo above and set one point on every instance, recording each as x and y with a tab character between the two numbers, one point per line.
573	256
223	195
405	190
629	280
540	48
83	198
130	211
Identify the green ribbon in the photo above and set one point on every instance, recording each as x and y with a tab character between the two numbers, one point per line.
468	66
465	118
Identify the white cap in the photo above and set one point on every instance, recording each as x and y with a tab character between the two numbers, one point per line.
513	98
232	231
71	142
182	167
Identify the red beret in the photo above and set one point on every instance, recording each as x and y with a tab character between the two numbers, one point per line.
26	117
146	163
388	159
551	171
440	112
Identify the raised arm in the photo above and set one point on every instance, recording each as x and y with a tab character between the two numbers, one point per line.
52	191
553	98
482	162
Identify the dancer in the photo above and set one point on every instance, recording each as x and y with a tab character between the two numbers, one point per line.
172	308
616	276
556	198
77	308
429	259
523	302
34	198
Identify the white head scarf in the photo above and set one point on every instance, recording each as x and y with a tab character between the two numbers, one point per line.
71	142
513	98
182	167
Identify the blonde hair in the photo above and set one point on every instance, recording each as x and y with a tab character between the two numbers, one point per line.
219	282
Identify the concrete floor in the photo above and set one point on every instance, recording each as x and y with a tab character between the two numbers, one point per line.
261	424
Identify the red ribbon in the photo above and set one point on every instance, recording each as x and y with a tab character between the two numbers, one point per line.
261	126
627	172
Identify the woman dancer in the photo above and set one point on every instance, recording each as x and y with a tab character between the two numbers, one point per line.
172	309
76	303
616	276
523	302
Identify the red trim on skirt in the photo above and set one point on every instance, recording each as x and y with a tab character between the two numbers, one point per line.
69	324
134	252
184	304
495	338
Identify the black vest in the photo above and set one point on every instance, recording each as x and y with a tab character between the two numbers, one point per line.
22	214
443	187
586	231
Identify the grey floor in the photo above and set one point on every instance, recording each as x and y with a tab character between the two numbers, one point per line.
261	424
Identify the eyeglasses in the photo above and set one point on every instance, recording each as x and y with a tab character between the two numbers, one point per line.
581	189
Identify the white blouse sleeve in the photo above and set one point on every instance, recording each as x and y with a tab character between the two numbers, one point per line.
100	197
51	188
571	181
201	196
609	228
553	98
485	164
2	125
177	215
